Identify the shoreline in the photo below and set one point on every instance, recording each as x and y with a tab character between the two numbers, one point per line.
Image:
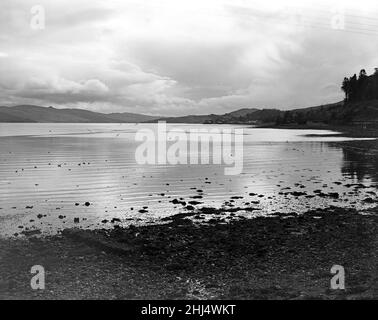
280	257
351	131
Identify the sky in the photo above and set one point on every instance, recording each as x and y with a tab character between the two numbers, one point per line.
178	57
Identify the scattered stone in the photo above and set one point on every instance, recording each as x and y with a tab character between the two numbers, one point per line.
194	203
30	233
334	195
368	200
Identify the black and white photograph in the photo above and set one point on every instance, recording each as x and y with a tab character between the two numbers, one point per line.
207	151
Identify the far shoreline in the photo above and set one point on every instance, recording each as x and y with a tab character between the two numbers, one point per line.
351	131
347	130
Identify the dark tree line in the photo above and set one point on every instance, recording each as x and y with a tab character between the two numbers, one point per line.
356	88
287	117
361	88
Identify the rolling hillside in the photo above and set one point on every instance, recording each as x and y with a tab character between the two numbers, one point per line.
29	113
335	113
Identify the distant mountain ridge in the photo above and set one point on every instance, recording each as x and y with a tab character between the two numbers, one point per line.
245	115
340	112
242	112
37	114
31	113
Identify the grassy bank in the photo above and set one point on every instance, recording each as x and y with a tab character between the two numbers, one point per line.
282	257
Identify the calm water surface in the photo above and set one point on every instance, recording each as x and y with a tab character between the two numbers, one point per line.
49	171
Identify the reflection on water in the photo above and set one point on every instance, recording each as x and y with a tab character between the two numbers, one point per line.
49	171
361	160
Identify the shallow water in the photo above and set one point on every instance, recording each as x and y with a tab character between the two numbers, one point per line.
47	169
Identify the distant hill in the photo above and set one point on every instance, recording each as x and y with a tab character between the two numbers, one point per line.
240	116
241	112
30	113
188	119
342	113
336	113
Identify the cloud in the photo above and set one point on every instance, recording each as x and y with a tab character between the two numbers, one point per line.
187	57
64	86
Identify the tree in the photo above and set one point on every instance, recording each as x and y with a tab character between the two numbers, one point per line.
346	88
353	88
361	88
300	118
